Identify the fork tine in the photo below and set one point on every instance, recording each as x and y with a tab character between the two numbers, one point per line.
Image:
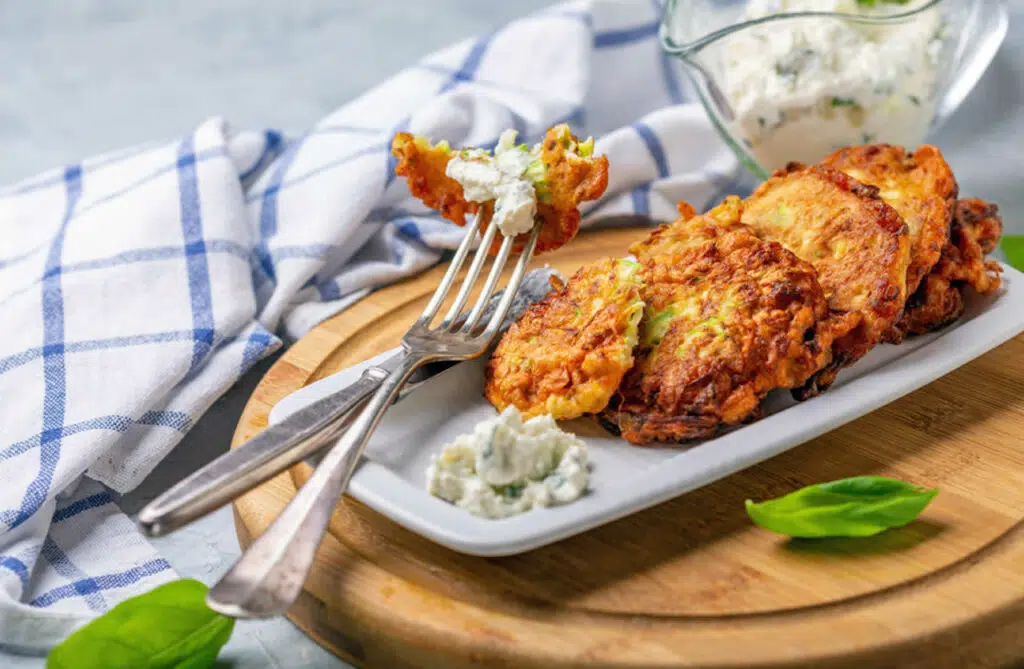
449	276
513	284
471	275
485	294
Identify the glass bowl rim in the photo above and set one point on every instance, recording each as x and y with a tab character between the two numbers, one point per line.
693	46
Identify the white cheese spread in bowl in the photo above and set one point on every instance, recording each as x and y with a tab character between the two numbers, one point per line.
803	88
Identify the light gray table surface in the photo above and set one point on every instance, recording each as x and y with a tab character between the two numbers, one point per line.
94	75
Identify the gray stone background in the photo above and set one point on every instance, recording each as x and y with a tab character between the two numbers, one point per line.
84	76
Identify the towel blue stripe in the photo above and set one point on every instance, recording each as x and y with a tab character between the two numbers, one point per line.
81	505
654	147
315	251
328	290
268	208
641	197
196	263
54	381
28	355
471	64
624	36
361	153
16	566
392	162
202	156
62	565
90	166
255	346
213	246
7	262
175	420
87	587
272	142
668	68
223	246
671	78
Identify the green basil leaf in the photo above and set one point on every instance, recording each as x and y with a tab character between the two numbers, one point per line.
1013	247
169	627
855	507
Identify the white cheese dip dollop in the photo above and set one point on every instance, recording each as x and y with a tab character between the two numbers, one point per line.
502	178
507	466
803	88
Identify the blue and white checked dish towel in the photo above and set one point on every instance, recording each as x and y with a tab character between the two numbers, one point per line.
137	287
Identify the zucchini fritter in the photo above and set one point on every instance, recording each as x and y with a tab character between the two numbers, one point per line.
920	186
728	318
857	243
975	232
571	176
568	353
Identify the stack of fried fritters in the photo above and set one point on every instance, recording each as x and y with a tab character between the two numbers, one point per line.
781	290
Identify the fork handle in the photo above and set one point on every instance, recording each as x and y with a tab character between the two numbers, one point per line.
269	576
261	458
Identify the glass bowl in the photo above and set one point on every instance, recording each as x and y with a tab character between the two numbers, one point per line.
796	86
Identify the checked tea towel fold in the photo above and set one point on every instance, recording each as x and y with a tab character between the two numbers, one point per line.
137	287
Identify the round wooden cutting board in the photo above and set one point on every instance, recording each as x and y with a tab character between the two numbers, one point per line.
691	582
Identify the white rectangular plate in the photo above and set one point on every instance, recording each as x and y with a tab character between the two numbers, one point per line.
624	478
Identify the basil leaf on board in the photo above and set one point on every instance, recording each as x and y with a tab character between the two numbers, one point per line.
1013	247
855	507
169	627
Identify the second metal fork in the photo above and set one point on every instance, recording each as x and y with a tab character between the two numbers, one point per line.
269	576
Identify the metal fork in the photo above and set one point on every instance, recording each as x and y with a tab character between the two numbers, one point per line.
269	576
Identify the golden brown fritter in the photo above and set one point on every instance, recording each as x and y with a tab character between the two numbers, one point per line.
568	353
939	301
728	317
920	186
570	178
857	243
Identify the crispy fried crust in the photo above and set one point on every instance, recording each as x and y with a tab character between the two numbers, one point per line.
423	167
728	318
570	180
920	186
690	230
936	303
857	243
977	227
568	353
939	301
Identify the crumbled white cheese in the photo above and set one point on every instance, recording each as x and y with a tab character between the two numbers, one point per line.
500	178
802	88
507	466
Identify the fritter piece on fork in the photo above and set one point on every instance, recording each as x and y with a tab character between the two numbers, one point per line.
939	301
568	175
728	318
920	186
857	243
568	353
